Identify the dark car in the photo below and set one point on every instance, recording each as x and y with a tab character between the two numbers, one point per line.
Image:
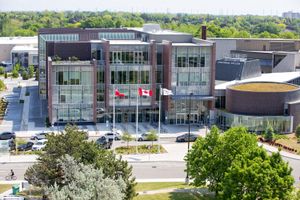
7	135
185	138
104	142
25	147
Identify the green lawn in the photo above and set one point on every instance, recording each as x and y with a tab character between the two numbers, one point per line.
142	149
5	187
160	185
173	196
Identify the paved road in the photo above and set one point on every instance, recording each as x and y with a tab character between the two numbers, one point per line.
147	170
142	170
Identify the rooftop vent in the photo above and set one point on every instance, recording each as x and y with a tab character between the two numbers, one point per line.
151	27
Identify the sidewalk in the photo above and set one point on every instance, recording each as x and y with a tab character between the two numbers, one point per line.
18	159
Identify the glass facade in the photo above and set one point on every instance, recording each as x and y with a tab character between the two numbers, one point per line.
43	38
258	124
191	73
21	58
117	35
72	92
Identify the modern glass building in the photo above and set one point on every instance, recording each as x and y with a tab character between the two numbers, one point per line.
81	68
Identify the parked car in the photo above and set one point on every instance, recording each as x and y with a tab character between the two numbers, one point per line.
7	135
39	145
104	142
144	137
112	136
185	138
25	147
39	136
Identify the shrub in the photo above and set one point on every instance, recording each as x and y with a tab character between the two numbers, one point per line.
2	70
297	133
15	73
5	75
25	75
2	86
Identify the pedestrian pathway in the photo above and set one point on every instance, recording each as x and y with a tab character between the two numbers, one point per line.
273	149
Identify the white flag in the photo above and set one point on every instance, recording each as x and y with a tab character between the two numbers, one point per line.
166	92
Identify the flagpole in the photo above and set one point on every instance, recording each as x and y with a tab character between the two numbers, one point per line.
137	121
114	116
159	107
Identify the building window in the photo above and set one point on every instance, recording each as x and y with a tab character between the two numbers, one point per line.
202	61
62	98
181	61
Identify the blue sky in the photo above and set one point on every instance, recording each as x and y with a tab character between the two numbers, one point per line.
224	7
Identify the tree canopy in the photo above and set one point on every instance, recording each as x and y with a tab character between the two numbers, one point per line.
28	23
73	142
235	167
85	182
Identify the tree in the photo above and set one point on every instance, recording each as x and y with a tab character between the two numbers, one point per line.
5	75
127	138
258	176
30	71
25	75
204	153
73	142
152	136
85	182
2	70
215	154
269	133
2	85
297	133
15	73
232	162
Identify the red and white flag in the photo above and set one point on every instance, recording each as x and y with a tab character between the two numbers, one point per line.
119	94
143	92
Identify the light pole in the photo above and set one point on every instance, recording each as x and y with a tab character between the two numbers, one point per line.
187	179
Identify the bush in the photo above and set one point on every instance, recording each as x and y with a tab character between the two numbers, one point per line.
2	70
15	73
2	86
269	134
297	133
25	75
5	75
30	71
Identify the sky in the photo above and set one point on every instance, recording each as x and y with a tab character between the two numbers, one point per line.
217	7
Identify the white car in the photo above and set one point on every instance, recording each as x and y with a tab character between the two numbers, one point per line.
39	145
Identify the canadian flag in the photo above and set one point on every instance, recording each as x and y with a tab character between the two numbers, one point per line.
119	94
143	92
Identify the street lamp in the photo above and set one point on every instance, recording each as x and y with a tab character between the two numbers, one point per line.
187	179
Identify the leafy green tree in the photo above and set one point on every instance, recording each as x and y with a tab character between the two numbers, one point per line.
73	142
15	73
17	67
269	134
215	155
2	85
2	70
25	75
258	176
127	138
152	136
30	71
85	182
297	133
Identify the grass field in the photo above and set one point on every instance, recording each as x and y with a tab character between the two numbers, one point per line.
5	187
142	149
160	185
173	196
